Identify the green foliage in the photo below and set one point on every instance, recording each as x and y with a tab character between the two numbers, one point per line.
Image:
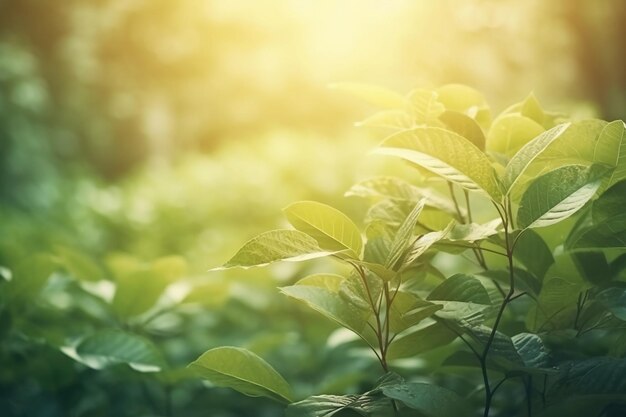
492	277
401	306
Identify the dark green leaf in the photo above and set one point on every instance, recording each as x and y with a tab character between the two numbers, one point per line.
430	400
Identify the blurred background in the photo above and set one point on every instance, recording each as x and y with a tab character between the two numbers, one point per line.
147	128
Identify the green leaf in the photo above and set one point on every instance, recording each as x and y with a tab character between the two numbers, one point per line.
424	106
322	295
531	349
378	96
556	301
614	300
421	340
425	242
430	400
465	126
510	132
558	194
525	156
447	154
336	405
606	226
110	347
79	265
531	108
397	189
586	387
242	371
473	232
276	245
30	276
332	229
403	237
139	289
467	100
533	252
461	287
610	149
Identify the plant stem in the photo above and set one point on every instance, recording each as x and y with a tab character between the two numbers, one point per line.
509	253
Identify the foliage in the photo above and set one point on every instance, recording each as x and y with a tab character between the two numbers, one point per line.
513	318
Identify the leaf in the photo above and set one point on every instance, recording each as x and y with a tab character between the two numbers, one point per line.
30	276
446	154
585	387
243	371
610	149
423	106
421	245
110	347
79	265
276	245
533	252
614	300
378	96
558	194
138	291
466	100
557	299
421	340
527	154
606	226
532	109
465	126
510	132
397	189
461	287
430	400
473	232
332	229
531	349
321	293
403	237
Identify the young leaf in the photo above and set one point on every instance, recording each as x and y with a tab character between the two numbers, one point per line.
558	194
397	189
430	400
467	100
276	245
465	126
403	236
423	106
523	158
332	229
110	347
510	132
242	371
531	108
444	153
